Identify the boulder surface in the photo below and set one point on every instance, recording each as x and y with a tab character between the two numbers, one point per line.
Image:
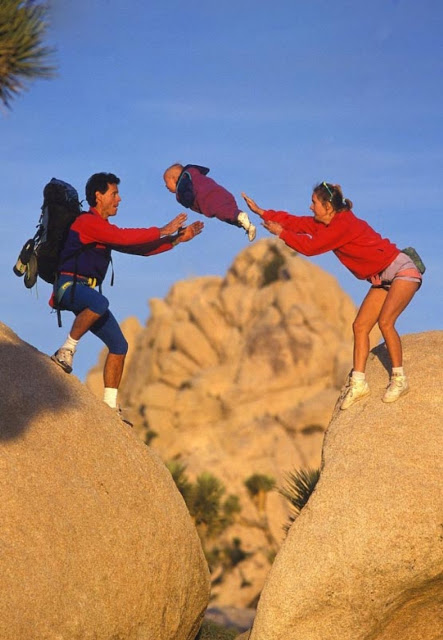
238	375
364	560
96	541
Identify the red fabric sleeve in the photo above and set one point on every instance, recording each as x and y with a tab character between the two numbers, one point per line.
308	245
301	224
307	236
147	249
92	228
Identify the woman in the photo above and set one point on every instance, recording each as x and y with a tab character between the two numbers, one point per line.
393	275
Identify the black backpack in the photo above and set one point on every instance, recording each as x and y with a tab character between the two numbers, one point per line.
40	255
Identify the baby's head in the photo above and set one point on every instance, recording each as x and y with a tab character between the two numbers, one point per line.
171	176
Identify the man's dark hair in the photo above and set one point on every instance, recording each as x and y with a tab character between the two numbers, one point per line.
99	182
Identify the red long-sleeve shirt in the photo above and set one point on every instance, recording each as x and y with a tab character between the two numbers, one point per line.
358	247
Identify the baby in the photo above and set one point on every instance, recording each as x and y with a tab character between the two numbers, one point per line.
194	190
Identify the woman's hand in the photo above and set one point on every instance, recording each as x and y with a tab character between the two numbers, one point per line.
252	205
174	225
273	227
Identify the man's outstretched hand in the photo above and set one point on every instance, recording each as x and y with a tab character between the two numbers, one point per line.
187	233
174	225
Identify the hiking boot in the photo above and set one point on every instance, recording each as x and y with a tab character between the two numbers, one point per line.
397	387
357	390
31	272
243	220
63	357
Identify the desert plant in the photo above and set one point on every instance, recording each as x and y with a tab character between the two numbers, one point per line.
177	470
23	57
210	514
212	631
258	485
299	487
230	507
204	499
233	553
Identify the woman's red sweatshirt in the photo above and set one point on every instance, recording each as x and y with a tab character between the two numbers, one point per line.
361	249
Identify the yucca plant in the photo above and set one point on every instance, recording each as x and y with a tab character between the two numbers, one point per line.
258	485
299	487
23	57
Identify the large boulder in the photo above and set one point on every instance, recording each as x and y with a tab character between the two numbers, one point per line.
238	375
364	560
96	542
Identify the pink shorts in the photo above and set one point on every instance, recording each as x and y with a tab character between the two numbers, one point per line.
402	268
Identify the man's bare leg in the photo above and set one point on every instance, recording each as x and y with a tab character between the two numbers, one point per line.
113	371
112	375
82	323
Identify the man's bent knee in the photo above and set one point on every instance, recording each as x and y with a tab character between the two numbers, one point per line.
119	346
98	304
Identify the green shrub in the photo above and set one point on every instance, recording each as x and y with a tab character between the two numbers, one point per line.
205	505
177	470
212	631
211	513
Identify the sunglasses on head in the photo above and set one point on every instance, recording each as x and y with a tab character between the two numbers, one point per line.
325	185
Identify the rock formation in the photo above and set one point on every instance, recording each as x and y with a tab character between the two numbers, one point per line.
96	541
239	375
364	560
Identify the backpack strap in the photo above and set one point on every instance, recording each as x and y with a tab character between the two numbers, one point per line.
112	270
55	303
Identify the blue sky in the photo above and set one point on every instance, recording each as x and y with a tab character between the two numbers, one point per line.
272	96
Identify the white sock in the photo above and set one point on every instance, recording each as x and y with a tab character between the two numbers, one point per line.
358	375
398	371
70	344
110	397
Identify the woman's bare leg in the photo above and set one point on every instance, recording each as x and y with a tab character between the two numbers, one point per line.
366	319
399	296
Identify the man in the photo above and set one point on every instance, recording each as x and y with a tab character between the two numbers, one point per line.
83	265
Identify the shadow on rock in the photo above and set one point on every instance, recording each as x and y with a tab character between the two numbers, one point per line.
31	384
